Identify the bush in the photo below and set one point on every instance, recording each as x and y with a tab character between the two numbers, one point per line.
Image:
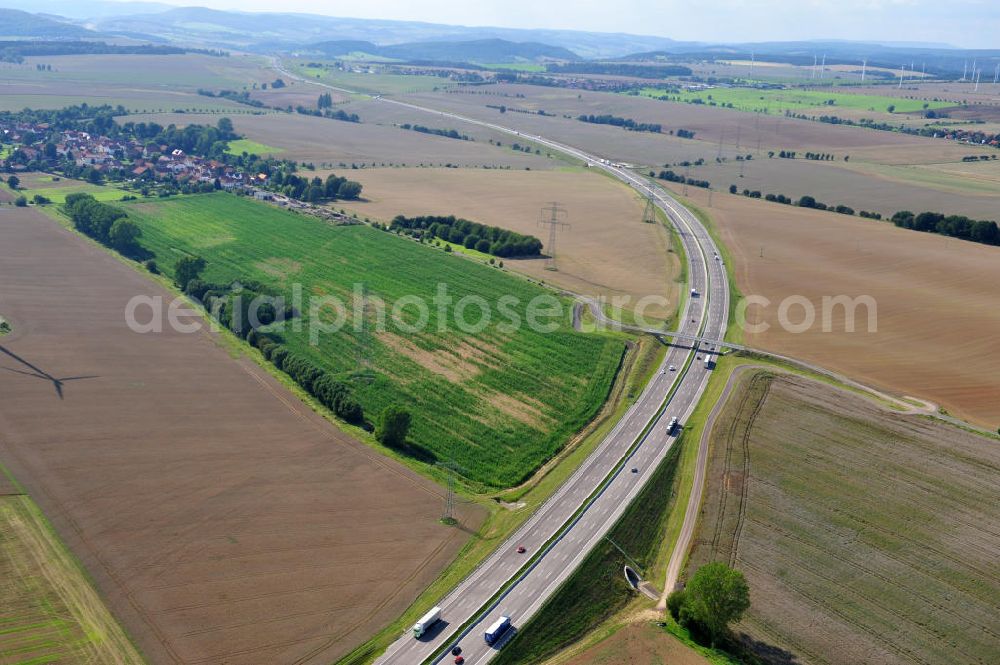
21	201
151	266
188	268
675	601
279	356
393	427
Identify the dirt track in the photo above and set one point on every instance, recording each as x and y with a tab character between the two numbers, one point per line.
221	519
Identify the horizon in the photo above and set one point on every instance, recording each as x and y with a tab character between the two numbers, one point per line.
967	24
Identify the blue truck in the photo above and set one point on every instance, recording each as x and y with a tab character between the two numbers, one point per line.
496	631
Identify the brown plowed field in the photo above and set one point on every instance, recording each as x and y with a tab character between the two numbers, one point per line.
865	536
607	251
938	327
222	520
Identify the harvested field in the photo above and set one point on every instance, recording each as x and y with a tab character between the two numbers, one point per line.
963	188
866	536
220	518
640	643
160	83
710	124
607	252
335	142
938	327
49	613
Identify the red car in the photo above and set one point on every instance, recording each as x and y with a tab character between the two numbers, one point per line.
459	660
521	549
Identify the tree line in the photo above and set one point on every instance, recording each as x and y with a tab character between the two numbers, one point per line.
106	224
806	201
447	133
953	226
315	190
618	121
472	235
671	176
233	306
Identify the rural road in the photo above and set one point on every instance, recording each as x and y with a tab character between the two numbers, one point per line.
565	528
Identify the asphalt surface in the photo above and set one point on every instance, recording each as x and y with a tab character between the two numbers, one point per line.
559	535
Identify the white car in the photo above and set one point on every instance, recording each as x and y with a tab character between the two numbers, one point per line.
673	369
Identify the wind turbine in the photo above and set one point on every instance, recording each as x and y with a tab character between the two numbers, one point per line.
864	64
902	73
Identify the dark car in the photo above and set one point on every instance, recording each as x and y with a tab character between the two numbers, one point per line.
521	549
457	650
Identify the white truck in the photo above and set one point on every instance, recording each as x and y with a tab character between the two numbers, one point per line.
426	621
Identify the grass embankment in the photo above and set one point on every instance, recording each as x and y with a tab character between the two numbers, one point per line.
498	403
50	612
598	588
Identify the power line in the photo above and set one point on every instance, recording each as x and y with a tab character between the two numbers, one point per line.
552	216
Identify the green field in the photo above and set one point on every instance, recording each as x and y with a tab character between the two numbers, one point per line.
240	146
59	194
50	613
376	83
497	403
778	101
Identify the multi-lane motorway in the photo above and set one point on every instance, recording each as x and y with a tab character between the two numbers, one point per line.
570	523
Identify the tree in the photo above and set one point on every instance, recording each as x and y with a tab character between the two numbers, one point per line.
349	190
716	596
14	182
124	235
393	426
188	268
21	201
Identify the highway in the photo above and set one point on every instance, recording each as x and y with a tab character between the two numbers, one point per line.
579	514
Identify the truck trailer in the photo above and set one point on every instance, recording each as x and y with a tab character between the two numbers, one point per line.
426	621
496	631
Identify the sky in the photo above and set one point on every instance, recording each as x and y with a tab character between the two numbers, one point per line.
965	23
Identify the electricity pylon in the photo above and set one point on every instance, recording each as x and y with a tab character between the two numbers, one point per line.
553	217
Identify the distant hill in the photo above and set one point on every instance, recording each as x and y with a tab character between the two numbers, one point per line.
272	31
479	50
15	23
